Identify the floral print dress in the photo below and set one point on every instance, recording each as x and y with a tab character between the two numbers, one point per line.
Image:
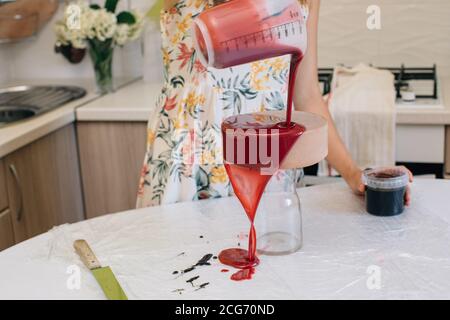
184	143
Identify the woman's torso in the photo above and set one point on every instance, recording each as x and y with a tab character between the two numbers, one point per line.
184	156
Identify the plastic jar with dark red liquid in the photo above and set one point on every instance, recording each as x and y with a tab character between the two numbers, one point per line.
385	191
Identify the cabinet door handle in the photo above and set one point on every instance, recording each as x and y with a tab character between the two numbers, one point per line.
19	212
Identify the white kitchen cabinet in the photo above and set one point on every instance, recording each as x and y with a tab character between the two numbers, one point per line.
447	151
420	143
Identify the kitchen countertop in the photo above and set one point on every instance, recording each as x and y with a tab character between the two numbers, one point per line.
21	133
428	116
132	103
136	102
347	253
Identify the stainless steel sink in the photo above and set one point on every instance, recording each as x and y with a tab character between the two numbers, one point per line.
10	114
24	102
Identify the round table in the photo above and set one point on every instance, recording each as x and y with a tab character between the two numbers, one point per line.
347	253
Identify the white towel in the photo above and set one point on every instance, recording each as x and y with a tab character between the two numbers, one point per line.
362	104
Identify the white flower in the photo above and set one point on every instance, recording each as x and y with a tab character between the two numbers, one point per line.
129	32
69	29
121	36
66	36
92	23
98	24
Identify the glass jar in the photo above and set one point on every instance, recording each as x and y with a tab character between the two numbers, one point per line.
279	218
385	191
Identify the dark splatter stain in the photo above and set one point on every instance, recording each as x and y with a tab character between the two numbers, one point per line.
203	286
191	281
189	270
202	262
205	260
178	291
201	237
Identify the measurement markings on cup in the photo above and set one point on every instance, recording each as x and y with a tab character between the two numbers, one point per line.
280	31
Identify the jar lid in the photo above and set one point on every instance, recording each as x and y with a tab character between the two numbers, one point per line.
386	178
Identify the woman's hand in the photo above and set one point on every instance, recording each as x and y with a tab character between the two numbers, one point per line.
354	180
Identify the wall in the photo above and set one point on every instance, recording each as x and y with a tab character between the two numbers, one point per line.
152	64
35	58
414	32
4	69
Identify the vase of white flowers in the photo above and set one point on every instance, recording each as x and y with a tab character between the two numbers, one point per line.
101	53
99	30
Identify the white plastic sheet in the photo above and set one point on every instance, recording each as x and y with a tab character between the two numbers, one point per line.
347	253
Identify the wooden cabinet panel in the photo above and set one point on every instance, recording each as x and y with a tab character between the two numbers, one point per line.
111	157
447	150
44	184
3	193
6	230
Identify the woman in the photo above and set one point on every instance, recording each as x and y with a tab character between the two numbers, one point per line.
183	160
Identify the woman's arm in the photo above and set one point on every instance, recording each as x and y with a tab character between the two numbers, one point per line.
309	98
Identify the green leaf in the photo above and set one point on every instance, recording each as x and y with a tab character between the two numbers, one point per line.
126	17
275	101
232	100
94	6
248	93
201	178
111	5
177	81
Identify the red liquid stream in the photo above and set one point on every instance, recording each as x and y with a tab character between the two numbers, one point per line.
248	182
295	63
244	31
246	178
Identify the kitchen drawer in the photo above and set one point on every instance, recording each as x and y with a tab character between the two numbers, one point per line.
3	193
420	144
6	230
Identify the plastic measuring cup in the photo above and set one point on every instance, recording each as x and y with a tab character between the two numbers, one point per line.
242	31
385	190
